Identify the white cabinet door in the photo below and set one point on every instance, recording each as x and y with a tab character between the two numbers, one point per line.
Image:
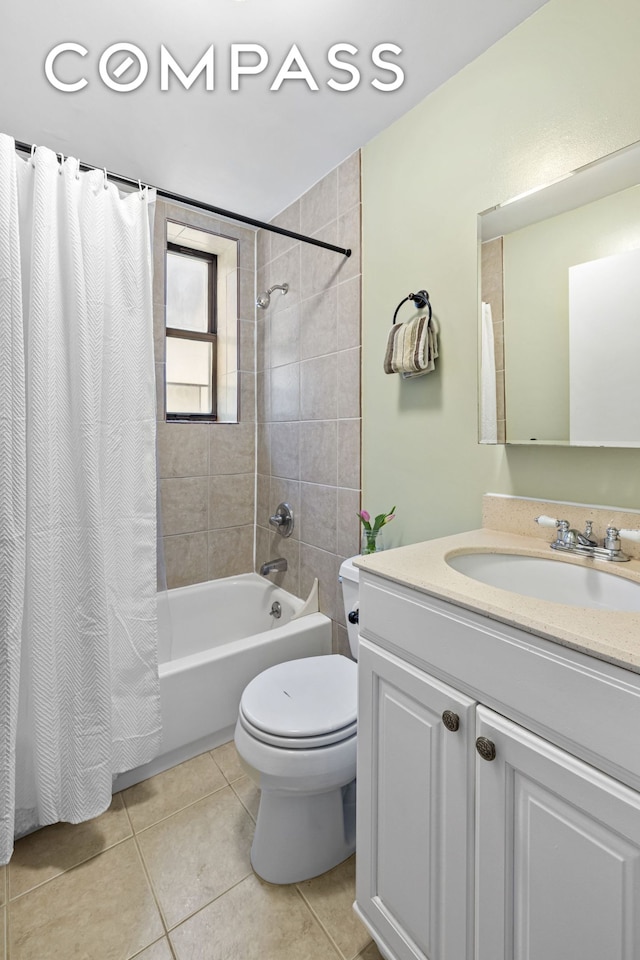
415	811
558	854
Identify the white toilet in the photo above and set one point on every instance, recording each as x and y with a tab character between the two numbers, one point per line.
296	738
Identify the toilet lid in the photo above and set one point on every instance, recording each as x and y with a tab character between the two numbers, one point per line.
303	698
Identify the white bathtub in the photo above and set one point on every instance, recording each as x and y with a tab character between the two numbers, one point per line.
214	638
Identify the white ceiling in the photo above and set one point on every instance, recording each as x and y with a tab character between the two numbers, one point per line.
252	151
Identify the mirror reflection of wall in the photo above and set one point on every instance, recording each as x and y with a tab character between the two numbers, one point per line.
566	372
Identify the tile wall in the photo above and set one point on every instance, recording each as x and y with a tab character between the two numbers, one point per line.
308	390
207	470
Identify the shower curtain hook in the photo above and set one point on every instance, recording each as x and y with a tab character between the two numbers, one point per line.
61	163
34	147
106	183
140	187
78	168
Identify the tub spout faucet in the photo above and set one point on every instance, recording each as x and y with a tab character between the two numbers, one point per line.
273	566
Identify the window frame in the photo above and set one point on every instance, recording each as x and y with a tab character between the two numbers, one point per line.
210	336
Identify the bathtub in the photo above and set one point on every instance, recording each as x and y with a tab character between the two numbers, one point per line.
214	637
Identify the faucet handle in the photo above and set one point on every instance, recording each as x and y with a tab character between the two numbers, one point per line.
545	521
630	535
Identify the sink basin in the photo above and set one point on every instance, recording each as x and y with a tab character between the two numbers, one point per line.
549	579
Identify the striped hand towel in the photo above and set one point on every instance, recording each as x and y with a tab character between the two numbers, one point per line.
412	348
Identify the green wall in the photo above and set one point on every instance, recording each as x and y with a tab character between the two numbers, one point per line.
559	91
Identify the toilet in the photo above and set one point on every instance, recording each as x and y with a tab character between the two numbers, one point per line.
296	739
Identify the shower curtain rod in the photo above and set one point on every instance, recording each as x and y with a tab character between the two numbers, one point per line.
208	207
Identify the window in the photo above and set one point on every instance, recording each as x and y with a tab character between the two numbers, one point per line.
191	333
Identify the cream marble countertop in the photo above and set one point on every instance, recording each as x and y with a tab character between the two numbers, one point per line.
608	635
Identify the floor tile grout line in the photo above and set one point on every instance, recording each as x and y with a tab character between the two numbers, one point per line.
242	802
168	816
209	902
319	922
152	944
152	888
73	866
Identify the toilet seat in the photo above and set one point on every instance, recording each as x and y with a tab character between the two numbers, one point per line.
302	704
298	743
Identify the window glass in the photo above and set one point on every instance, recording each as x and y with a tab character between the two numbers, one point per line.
187	292
189	376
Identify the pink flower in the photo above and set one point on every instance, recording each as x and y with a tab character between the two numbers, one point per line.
389	518
365	516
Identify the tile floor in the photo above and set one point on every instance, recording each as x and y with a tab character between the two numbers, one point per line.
164	874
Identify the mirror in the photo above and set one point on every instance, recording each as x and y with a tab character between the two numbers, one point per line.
560	310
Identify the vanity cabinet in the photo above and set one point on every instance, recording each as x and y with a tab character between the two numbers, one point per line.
415	809
531	854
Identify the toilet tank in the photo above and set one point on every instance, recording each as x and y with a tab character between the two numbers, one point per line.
350	580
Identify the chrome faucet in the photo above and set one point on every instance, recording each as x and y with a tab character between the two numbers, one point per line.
569	540
273	566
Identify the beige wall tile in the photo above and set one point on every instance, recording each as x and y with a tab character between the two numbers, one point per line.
263	464
184	505
320	268
289	219
349	236
331	897
284	334
247	408
73	915
247	345
230	551
319	205
285	491
231	448
319	451
198	853
349	313
276	925
318	516
50	851
285	452
284	269
348	540
166	793
231	500
183	449
247	290
275	546
263	396
340	640
186	559
349	183
349	383
349	453
3	885
318	324
325	566
263	499
263	246
319	388
285	392
160	388
159	339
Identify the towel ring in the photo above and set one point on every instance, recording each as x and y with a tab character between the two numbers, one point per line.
421	300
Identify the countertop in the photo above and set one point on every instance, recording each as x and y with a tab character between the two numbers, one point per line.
608	635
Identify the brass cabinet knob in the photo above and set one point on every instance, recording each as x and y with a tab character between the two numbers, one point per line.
486	748
451	720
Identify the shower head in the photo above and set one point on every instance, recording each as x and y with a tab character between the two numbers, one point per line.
264	299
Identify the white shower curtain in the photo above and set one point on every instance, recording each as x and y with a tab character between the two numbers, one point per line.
79	697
